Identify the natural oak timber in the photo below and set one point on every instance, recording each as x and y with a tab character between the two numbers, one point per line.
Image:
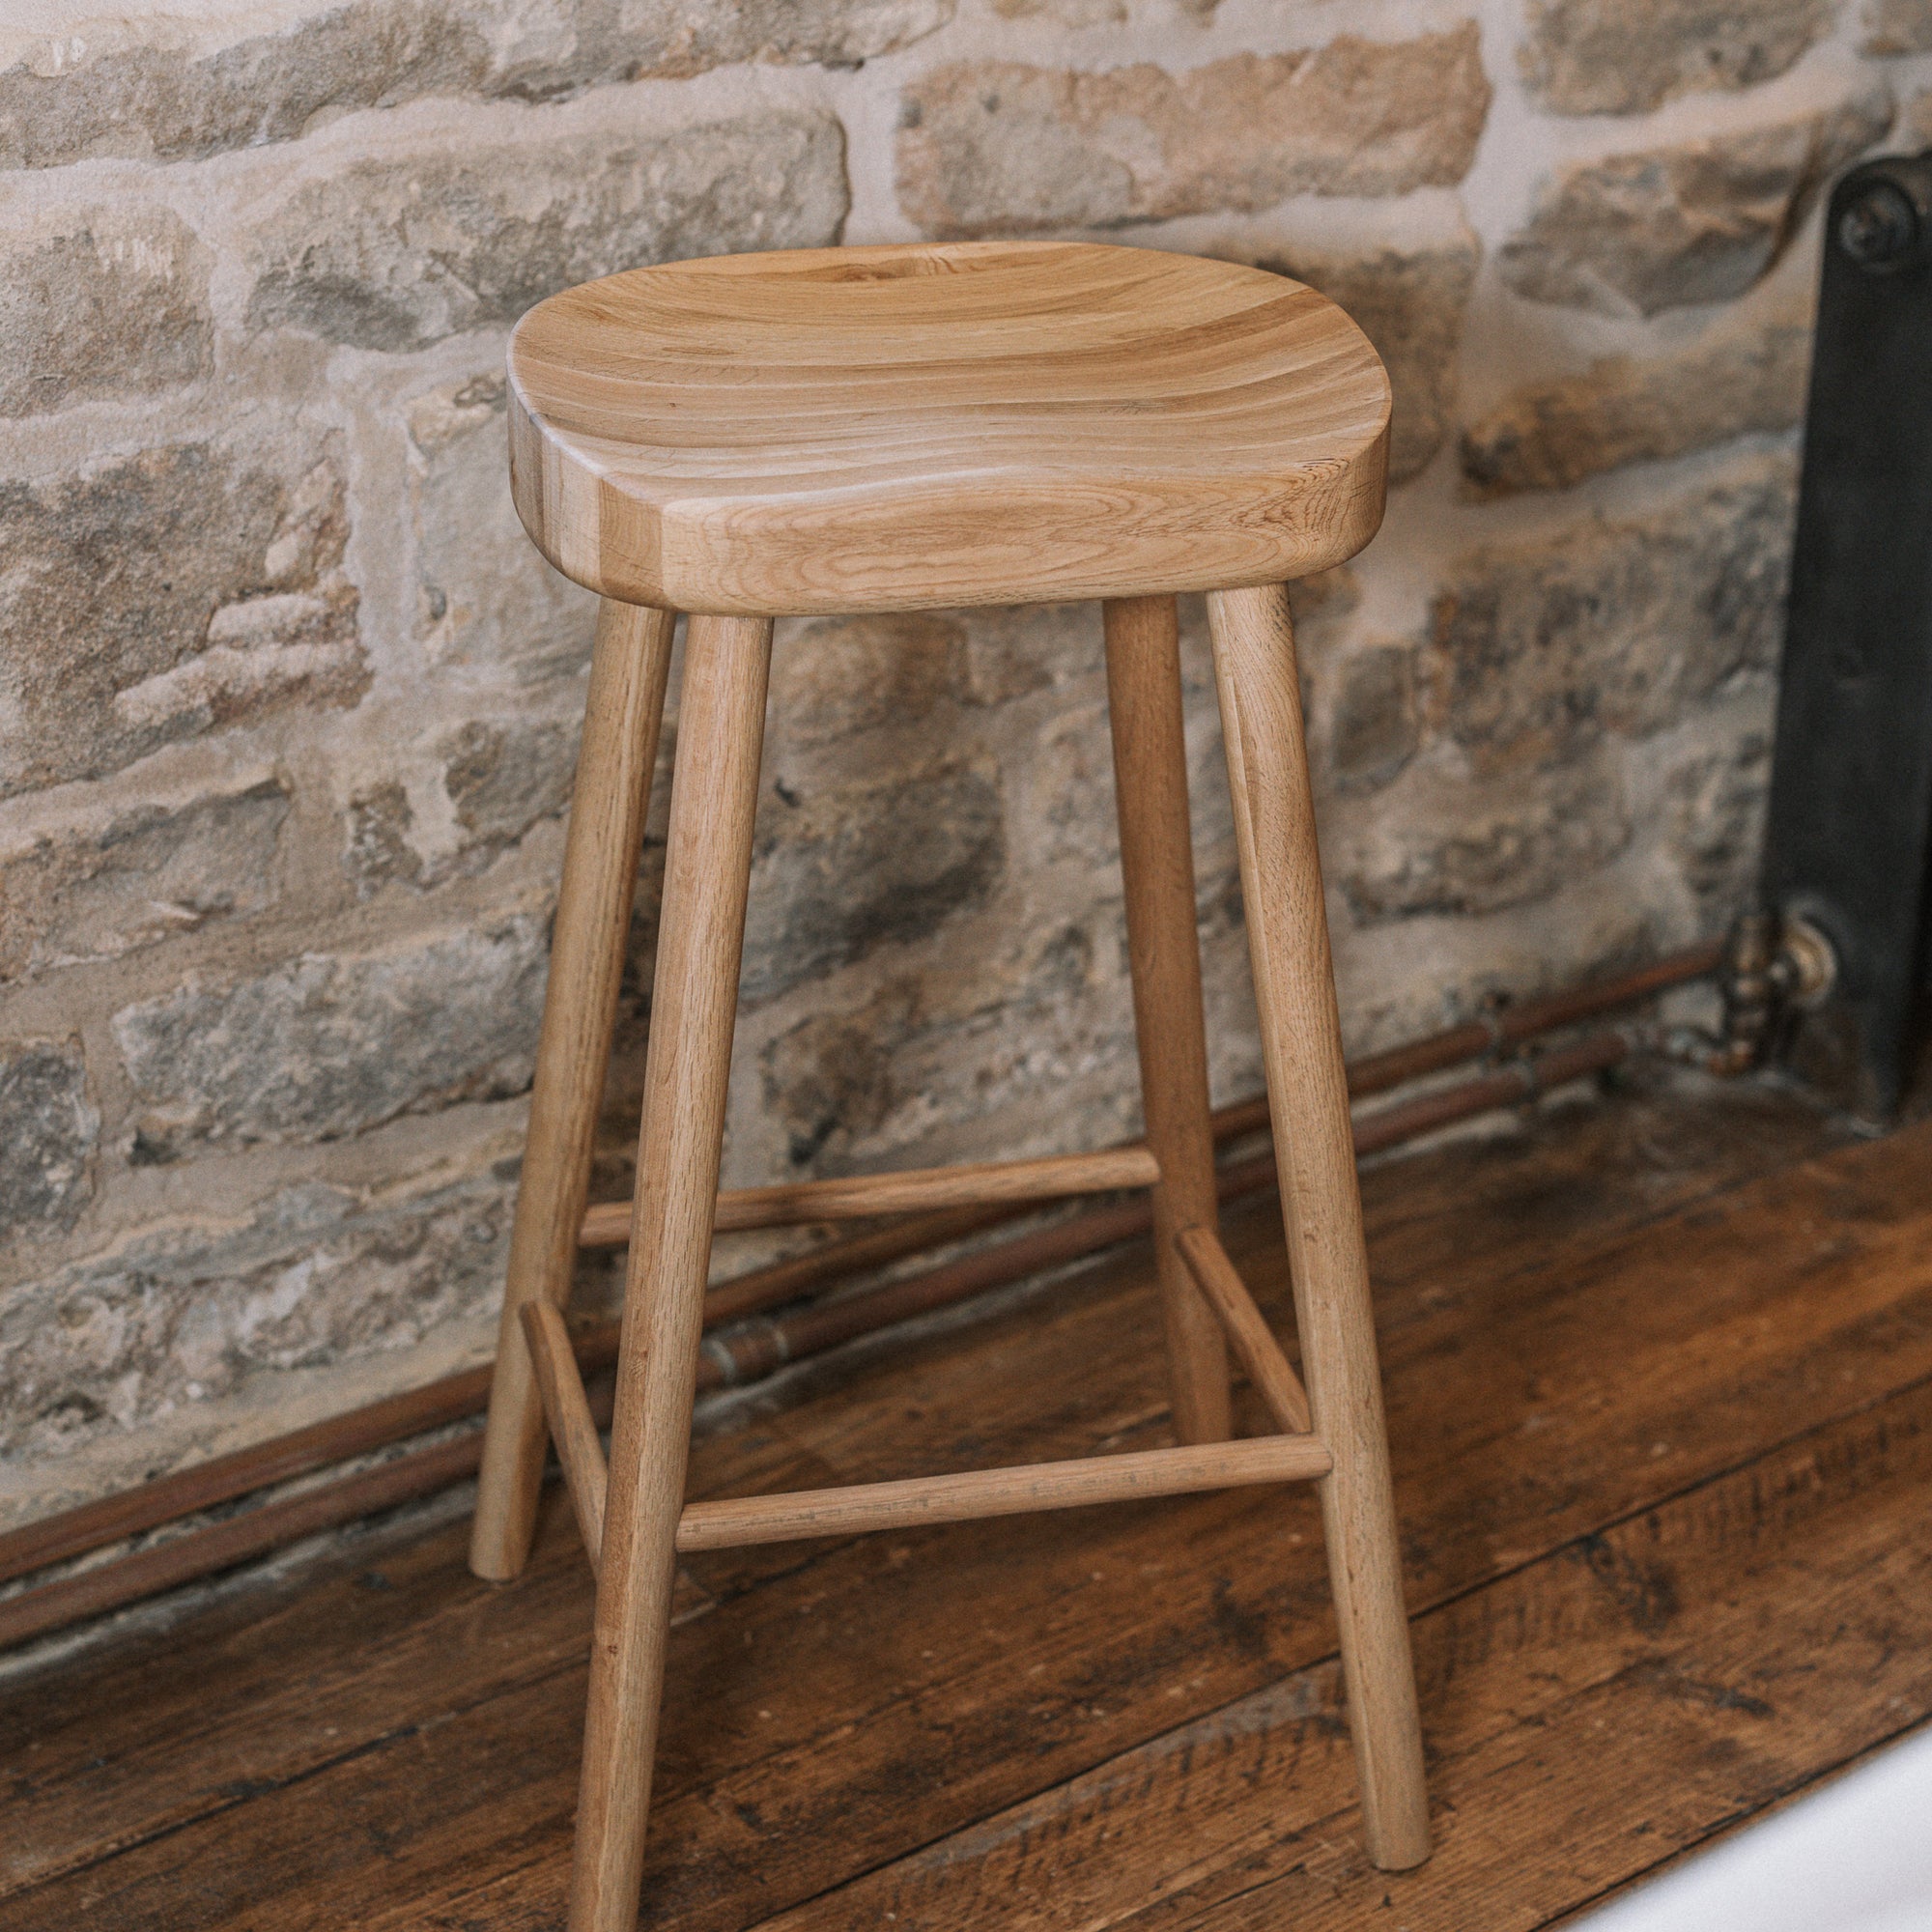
1322	1211
920	425
694	1006
1142	642
983	1492
914	1191
1268	1369
624	714
571	1426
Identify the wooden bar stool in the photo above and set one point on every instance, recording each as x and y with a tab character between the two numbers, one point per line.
891	429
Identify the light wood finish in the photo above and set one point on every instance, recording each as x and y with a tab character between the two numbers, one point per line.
694	1004
623	712
571	1427
1268	1369
918	425
1142	637
1016	1491
859	1196
1301	1050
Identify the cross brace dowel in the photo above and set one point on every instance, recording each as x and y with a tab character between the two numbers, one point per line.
908	1504
860	1196
1248	1332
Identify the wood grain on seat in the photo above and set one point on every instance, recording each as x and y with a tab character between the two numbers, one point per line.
913	426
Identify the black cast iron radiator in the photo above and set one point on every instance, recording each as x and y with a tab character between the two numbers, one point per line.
1849	828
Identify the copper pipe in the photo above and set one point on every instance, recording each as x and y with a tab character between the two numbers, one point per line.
222	1479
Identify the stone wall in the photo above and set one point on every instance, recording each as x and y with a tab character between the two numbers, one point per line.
288	706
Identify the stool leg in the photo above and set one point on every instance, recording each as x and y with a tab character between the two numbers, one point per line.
694	1005
1164	954
1301	1045
622	714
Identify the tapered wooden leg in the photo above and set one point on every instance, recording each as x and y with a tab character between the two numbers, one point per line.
623	717
1164	953
1301	1046
720	733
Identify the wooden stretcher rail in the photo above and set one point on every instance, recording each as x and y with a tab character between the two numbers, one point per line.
853	1199
1015	1491
1248	1332
572	1428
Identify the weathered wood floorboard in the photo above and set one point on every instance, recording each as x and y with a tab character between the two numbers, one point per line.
1576	1328
1589	1715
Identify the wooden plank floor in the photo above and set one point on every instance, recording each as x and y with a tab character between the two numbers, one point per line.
1659	1377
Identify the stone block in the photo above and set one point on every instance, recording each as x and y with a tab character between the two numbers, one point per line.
162	596
990	147
1664	228
160	87
333	1044
48	1131
109	302
1743	376
1409	303
398	251
103	884
181	1313
1629	56
836	676
1614	624
683	36
846	868
485	597
1447	846
1896	27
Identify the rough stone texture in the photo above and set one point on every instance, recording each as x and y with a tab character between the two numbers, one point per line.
851	1089
1627	56
485	597
1717	806
1897	26
501	779
165	595
1374	726
138	874
114	303
396	253
842	675
180	1313
1550	436
1409	303
997	146
1453	849
47	1135
164	95
332	1044
1616	625
678	37
1638	233
376	846
840	869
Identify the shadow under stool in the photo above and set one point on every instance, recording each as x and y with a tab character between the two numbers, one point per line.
902	428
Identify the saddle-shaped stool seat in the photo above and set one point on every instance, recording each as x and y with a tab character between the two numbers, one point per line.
890	428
